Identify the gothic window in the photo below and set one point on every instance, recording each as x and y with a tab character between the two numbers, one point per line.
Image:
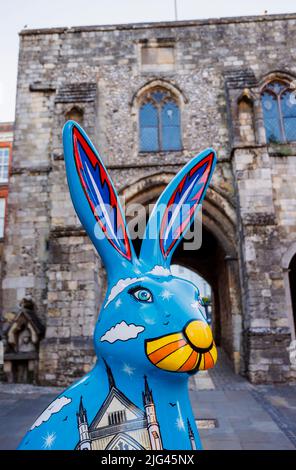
279	111
159	119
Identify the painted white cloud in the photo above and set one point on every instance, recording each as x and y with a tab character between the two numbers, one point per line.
160	271
53	408
120	286
122	332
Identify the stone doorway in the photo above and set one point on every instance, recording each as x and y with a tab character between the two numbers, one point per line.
292	281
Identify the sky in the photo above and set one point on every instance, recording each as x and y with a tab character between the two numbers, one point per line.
18	14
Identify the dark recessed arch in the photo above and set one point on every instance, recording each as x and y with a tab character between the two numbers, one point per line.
289	269
292	282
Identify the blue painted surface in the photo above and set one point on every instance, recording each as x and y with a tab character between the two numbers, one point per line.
151	331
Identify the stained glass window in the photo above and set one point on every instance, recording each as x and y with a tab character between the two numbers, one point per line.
159	120
279	112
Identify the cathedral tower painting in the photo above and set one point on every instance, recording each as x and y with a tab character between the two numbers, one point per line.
83	428
153	428
119	423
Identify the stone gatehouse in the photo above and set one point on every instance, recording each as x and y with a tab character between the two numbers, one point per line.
151	96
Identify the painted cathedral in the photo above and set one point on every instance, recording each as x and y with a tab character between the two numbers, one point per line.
119	423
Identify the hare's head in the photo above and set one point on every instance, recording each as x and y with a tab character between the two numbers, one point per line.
149	317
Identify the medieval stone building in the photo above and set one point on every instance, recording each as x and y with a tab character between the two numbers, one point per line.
151	96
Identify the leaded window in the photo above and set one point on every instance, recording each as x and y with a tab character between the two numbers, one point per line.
4	164
2	216
279	111
159	119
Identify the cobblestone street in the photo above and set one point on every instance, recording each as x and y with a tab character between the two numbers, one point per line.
231	413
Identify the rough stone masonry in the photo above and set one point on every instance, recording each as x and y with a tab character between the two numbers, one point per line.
99	76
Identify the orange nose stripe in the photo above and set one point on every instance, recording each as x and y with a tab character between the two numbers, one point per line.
164	351
191	362
209	363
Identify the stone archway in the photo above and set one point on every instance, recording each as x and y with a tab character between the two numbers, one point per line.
289	269
292	279
216	261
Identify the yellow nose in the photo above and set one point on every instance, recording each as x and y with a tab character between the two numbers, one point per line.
199	334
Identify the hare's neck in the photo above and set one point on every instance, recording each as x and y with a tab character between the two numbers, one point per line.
161	397
161	385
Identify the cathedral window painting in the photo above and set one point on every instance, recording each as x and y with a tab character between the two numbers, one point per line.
279	112
160	122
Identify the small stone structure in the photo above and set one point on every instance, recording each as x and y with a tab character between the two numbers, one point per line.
216	70
22	345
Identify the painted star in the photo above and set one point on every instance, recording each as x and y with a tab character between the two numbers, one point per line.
128	369
166	295
49	440
118	303
180	424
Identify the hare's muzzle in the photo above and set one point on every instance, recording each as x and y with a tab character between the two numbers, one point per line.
191	350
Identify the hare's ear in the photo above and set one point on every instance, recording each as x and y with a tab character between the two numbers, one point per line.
95	199
175	209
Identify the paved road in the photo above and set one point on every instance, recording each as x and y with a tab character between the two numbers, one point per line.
248	417
19	407
233	413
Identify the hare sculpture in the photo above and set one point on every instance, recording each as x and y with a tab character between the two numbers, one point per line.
151	333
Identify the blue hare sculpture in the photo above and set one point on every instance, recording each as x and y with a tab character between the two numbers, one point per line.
151	332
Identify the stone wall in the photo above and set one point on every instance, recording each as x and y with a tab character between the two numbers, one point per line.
216	71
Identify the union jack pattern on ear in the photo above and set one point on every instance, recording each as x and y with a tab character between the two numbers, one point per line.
182	204
100	194
175	209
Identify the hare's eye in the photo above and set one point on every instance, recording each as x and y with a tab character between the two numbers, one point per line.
143	295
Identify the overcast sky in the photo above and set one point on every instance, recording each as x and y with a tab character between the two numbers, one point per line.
17	14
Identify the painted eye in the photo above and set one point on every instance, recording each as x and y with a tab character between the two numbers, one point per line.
143	295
